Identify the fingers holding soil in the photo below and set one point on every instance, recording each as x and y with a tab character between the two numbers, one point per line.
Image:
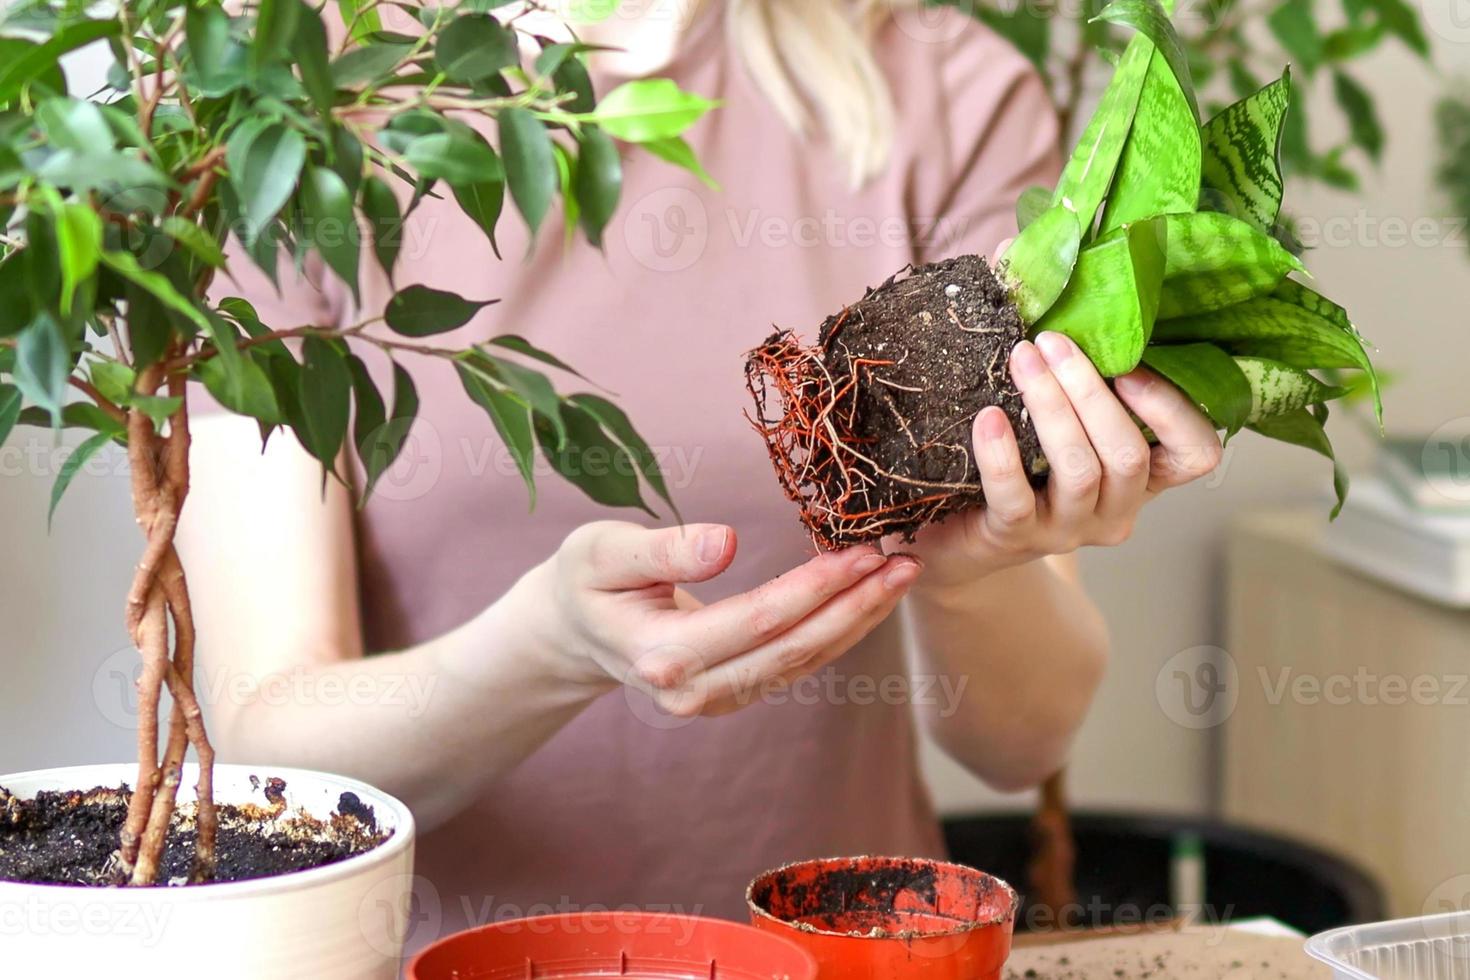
814	641
1116	441
1076	474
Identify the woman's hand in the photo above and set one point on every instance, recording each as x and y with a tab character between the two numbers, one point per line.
1102	469
607	609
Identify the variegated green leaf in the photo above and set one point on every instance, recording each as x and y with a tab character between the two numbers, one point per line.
1210	377
1214	261
1241	172
1111	301
1306	429
1295	294
1159	172
1271	327
1150	19
1089	173
1277	389
1040	260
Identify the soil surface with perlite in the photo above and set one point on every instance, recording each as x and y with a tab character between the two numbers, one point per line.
70	838
870	430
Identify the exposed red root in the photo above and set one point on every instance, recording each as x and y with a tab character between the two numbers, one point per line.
809	432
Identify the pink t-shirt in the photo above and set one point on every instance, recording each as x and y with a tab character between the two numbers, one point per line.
623	806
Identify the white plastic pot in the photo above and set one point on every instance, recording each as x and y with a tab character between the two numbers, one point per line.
344	920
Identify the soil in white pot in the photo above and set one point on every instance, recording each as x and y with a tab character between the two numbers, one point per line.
71	838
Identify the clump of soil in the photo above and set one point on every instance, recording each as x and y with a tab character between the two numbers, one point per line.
71	838
869	430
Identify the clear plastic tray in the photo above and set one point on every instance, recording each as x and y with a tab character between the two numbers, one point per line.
1431	947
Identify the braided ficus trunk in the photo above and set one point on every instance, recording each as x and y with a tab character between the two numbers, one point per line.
161	623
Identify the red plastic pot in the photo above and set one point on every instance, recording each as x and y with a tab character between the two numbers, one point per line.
869	918
626	945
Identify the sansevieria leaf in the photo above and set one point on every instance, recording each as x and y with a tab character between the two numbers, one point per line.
1271	327
1040	260
1214	261
1151	19
1210	377
1241	170
1112	298
1089	173
1159	172
1305	429
1277	389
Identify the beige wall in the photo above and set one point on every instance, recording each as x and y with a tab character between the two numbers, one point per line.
61	695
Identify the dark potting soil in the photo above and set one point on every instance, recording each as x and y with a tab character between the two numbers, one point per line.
902	374
70	838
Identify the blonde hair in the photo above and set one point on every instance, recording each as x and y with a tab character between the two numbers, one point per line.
813	60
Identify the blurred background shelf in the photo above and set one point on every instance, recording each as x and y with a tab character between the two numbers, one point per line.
1352	723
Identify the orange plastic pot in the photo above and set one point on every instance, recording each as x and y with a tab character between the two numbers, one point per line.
871	918
626	945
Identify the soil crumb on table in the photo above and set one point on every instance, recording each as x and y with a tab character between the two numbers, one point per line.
71	837
1192	954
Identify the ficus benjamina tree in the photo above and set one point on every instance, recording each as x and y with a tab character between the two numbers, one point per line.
246	133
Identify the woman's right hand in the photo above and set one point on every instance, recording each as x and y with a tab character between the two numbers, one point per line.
607	610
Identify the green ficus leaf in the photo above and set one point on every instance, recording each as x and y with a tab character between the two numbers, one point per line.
1357	105
325	387
42	365
10	402
379	436
1241	172
1111	300
1039	262
156	284
649	109
372	63
72	466
420	311
1295	26
524	347
1277	389
1213	261
275	27
530	164
79	244
309	49
591	460
616	422
677	151
474	47
26	61
531	387
265	161
331	223
598	181
482	202
1210	377
380	207
511	418
457	157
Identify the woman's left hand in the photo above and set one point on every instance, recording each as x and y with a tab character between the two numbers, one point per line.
1102	469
